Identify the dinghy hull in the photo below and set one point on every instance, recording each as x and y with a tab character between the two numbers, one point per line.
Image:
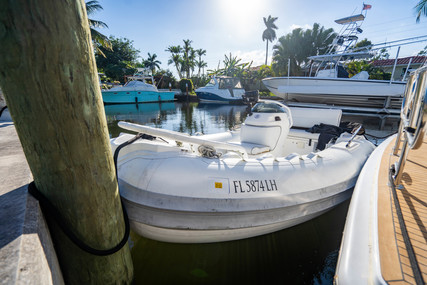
235	185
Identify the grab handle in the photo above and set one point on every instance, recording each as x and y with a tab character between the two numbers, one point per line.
353	136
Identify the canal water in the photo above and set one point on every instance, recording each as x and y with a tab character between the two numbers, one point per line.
303	254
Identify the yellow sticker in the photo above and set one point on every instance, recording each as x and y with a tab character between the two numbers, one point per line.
218	185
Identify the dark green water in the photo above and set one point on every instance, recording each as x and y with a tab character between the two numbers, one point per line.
303	254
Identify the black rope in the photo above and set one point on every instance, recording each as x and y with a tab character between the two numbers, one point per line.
53	212
2	109
56	215
132	140
411	254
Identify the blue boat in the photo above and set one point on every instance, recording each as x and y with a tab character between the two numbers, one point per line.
221	89
137	90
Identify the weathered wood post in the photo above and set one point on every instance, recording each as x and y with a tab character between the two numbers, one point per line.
49	78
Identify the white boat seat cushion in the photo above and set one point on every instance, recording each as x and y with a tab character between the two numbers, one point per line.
252	148
259	135
298	133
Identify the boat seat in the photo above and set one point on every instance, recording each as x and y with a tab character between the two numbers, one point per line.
300	133
252	148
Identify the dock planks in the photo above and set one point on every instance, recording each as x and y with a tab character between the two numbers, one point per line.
412	195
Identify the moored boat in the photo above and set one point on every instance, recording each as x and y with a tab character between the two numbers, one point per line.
221	89
139	89
269	175
331	84
384	239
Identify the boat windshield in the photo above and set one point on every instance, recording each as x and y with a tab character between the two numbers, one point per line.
211	83
227	83
264	107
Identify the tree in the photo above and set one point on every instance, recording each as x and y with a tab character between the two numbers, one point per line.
423	52
318	39
269	34
98	39
200	63
363	45
232	67
175	58
152	63
357	66
188	56
421	9
289	48
298	45
119	61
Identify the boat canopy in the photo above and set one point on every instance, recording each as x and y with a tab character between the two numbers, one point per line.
350	19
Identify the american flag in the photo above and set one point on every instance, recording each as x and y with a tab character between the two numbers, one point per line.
366	7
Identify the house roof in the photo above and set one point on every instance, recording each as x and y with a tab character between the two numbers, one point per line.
400	61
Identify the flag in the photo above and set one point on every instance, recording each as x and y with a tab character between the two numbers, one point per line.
366	7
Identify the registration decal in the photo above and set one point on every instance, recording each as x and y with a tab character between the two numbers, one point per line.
246	186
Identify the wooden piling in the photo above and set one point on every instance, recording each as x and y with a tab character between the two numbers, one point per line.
49	79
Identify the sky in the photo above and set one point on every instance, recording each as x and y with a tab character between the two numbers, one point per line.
222	27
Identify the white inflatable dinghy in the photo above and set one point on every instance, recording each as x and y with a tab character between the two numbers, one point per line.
267	176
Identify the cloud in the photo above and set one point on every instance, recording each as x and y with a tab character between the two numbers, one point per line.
256	56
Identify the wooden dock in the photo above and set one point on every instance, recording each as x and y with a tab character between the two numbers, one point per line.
403	241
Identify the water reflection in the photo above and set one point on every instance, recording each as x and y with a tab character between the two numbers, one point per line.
304	254
188	118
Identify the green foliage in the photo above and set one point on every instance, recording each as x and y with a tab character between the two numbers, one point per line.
357	66
119	61
151	63
163	78
298	46
364	44
421	9
184	59
232	67
182	85
252	79
98	39
423	52
201	80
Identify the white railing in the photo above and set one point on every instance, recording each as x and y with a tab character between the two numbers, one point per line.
413	124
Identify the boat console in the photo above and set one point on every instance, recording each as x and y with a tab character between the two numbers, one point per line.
268	126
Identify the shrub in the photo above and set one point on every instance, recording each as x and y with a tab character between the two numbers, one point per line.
183	87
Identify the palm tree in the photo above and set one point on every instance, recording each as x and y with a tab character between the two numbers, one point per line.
269	34
152	63
200	63
175	58
298	45
97	38
186	61
421	9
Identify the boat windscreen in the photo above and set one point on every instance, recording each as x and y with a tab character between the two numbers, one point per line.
227	83
263	107
211	83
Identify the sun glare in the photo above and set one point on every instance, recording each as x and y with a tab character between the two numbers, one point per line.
242	15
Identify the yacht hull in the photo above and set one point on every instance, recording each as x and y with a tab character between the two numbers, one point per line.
126	97
338	91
